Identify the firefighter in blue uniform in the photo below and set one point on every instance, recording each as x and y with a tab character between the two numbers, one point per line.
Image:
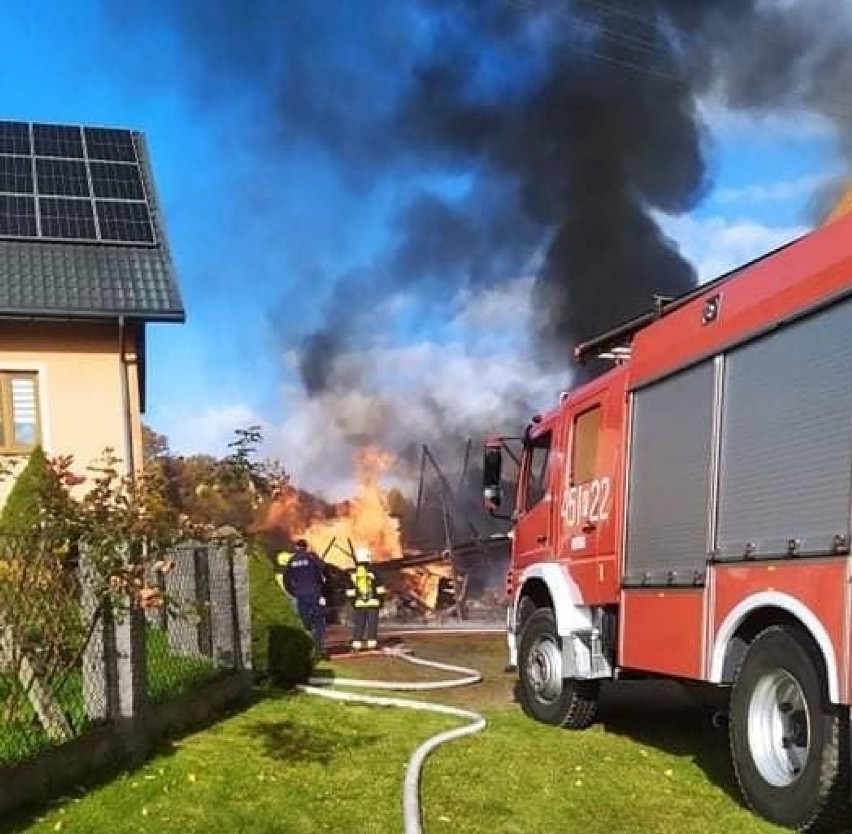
366	595
304	580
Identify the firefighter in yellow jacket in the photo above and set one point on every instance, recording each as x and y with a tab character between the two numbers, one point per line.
366	595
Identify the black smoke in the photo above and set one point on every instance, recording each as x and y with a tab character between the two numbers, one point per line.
569	123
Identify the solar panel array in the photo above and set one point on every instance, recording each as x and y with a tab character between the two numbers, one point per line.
67	183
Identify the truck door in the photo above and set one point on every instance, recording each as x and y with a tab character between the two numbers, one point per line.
586	529
535	499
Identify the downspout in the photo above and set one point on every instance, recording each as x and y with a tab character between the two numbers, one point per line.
125	400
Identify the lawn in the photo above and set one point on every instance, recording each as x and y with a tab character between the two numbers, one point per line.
170	676
294	764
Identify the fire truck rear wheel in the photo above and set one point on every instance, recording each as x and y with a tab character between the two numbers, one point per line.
543	692
789	744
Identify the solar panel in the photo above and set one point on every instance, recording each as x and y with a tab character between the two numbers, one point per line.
16	174
62	176
17	216
124	221
57	140
69	219
61	182
15	138
117	179
109	144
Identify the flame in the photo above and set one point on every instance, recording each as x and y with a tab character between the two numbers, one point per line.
365	520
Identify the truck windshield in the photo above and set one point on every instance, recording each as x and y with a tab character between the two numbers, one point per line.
538	453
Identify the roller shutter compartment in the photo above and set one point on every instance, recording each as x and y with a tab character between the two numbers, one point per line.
786	445
669	483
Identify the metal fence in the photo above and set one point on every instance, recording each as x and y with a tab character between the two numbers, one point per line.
68	663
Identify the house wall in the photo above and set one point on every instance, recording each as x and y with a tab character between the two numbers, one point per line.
80	387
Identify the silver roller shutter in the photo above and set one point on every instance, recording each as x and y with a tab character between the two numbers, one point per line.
786	446
669	484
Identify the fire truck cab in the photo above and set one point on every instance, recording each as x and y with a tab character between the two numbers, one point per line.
687	514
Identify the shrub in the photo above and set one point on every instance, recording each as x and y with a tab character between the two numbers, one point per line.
22	510
280	648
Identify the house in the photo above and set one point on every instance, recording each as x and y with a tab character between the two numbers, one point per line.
84	268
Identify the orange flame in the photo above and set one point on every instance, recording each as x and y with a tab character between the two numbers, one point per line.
365	520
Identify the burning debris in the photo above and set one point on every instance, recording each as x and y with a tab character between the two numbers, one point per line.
462	579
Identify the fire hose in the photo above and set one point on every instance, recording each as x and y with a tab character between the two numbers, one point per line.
411	787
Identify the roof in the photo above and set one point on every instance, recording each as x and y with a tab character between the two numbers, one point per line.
85	280
68	280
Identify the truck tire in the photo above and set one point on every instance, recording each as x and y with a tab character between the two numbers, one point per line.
789	744
544	694
526	608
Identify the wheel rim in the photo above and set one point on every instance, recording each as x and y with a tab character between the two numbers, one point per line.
779	728
544	669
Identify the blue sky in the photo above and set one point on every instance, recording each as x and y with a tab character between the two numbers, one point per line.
255	236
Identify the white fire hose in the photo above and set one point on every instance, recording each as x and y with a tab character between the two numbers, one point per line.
411	788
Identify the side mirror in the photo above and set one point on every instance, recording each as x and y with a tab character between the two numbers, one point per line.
492	465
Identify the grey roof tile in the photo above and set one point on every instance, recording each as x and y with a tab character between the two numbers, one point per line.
87	279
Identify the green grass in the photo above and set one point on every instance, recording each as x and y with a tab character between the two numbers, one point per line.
25	737
298	765
170	676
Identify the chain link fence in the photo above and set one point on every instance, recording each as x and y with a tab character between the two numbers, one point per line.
68	663
198	633
43	635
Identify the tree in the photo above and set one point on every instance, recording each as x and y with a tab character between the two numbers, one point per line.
231	491
22	512
154	446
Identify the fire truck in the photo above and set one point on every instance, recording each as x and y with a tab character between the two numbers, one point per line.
687	514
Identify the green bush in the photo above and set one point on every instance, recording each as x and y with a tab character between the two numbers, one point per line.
22	508
280	647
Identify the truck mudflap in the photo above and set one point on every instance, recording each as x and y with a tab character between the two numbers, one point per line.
583	657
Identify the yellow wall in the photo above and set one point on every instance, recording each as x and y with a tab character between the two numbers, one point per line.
79	386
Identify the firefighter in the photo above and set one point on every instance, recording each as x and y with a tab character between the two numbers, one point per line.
366	595
304	580
281	562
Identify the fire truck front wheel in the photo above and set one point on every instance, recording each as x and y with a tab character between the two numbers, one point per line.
788	742
542	691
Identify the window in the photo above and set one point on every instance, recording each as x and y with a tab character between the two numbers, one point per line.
19	423
538	454
584	452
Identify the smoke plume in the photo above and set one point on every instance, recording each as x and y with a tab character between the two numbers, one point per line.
522	137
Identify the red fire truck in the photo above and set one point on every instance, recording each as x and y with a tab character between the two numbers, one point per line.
687	514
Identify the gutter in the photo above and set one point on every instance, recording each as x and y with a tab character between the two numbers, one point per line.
176	316
125	400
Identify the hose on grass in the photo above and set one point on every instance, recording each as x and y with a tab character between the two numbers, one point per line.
411	788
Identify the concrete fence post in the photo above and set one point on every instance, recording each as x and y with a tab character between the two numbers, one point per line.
114	666
129	699
201	567
221	605
96	662
181	588
241	604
